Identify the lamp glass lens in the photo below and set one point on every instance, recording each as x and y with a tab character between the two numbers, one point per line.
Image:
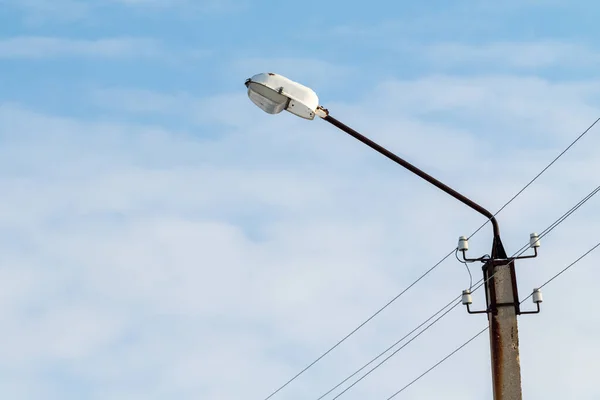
267	99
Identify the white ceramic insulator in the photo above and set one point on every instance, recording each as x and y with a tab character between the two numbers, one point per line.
467	299
534	240
463	243
537	296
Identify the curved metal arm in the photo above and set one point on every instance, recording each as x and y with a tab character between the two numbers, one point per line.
532	312
497	248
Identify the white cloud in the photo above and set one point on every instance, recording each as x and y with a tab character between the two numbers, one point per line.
513	55
202	5
503	107
52	11
311	72
463	20
144	101
221	108
217	265
42	47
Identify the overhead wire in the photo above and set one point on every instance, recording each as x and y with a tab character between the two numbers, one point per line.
459	348
589	128
359	326
478	284
394	345
566	269
456	304
566	215
487	327
337	344
467	267
393	354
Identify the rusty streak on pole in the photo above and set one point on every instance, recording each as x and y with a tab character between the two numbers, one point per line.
502	301
501	286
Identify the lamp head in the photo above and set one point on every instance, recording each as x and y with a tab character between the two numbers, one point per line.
274	93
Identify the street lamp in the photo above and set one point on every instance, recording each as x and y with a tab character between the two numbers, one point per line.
274	93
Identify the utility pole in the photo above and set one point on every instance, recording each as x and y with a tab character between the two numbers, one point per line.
500	284
503	305
274	93
502	300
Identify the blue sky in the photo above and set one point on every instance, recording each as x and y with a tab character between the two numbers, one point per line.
161	237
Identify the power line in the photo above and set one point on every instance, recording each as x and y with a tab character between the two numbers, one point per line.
563	217
395	352
576	207
486	328
540	174
359	326
438	363
522	250
426	272
390	356
454	300
391	347
566	268
479	284
467	267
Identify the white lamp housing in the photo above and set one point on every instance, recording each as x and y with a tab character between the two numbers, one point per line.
274	93
463	243
534	240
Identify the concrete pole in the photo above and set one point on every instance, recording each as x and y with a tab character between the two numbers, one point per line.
503	306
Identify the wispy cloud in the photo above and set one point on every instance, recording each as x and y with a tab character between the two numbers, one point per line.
43	11
526	55
312	72
226	253
203	5
161	237
190	107
185	107
36	11
44	47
